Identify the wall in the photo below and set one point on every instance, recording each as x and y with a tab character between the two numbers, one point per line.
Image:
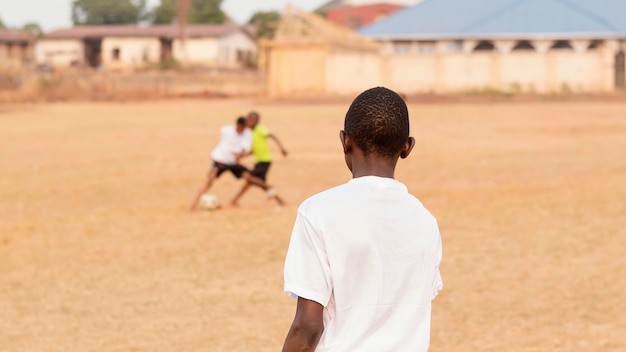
196	51
88	84
59	53
553	71
230	51
236	50
297	70
133	52
350	71
442	67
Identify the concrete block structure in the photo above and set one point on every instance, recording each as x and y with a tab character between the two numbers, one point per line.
16	49
311	56
540	46
455	46
130	47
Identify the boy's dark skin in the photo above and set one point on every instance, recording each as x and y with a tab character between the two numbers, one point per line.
252	120
308	326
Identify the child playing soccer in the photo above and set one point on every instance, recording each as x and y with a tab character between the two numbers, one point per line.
234	144
262	155
363	261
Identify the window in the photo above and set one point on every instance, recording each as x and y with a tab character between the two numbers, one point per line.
115	54
402	48
426	48
454	47
561	45
523	45
485	46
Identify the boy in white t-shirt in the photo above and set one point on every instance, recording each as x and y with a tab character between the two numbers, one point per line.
235	142
364	257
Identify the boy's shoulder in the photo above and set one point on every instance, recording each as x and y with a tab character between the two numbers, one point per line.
324	198
337	200
260	129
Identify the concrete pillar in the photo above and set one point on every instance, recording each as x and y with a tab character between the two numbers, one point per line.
469	45
614	45
504	46
387	48
580	46
441	47
542	46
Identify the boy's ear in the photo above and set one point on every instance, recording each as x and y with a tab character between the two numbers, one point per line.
346	142
408	146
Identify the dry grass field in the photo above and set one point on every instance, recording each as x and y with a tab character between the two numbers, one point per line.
99	253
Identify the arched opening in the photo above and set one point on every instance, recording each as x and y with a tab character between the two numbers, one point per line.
595	44
562	45
523	45
485	46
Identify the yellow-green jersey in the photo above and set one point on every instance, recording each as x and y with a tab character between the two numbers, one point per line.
260	146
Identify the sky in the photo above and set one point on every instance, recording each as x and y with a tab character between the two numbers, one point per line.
53	14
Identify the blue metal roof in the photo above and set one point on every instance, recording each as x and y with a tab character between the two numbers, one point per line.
519	19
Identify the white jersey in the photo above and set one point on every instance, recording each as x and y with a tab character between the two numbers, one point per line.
231	144
369	252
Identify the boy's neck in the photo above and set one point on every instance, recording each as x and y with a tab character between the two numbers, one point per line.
373	166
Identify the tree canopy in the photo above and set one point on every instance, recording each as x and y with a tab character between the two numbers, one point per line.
2	24
265	23
33	29
164	13
200	11
103	12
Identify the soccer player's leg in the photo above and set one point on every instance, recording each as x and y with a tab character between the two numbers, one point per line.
214	173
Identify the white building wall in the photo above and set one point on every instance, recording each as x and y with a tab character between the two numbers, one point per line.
59	53
196	51
235	49
133	52
516	71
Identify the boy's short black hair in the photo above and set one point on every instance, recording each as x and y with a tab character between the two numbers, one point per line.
241	121
378	122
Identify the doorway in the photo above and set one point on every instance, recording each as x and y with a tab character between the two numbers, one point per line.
93	52
620	70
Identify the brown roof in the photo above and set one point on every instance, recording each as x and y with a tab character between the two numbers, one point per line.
13	36
161	31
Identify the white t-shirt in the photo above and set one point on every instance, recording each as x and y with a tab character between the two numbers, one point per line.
369	252
231	144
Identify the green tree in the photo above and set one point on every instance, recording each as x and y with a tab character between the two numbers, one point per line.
199	11
206	11
103	12
2	24
164	13
265	23
33	29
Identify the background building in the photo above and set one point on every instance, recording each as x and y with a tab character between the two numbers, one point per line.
310	55
127	47
509	45
16	48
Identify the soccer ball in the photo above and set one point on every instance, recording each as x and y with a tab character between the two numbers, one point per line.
209	201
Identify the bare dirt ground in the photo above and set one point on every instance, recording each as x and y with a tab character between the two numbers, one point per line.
98	251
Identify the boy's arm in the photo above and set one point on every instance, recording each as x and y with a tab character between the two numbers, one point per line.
280	145
307	327
242	155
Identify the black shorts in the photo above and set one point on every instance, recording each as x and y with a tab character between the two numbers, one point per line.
236	169
260	170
